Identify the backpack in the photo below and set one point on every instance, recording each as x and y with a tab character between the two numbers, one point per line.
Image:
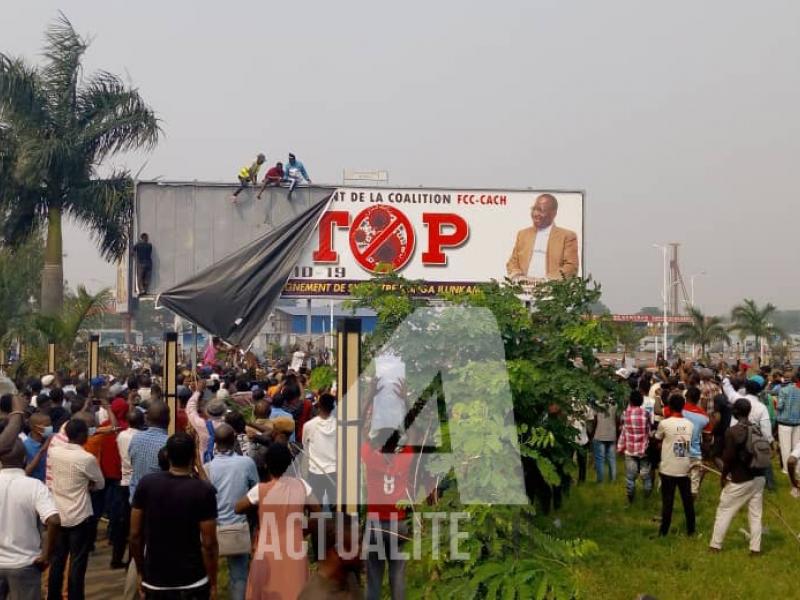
208	455
758	447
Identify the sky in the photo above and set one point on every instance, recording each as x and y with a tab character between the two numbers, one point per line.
679	119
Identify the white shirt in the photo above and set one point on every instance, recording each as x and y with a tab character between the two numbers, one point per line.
123	442
319	440
538	266
22	499
73	469
759	414
677	435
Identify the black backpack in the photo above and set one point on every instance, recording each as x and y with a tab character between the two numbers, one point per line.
758	447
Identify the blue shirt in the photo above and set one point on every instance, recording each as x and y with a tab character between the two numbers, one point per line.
789	405
291	173
232	475
143	453
32	448
698	422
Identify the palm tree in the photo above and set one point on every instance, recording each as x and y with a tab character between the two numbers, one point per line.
748	318
702	330
56	130
629	336
67	329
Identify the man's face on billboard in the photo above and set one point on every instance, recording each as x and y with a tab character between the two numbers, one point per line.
543	212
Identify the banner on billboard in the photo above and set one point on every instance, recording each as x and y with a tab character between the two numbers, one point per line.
448	238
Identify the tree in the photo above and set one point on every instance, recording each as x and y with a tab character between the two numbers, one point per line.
56	130
629	335
702	330
68	330
650	311
748	319
552	369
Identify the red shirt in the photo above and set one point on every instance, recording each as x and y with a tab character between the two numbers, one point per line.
274	174
387	481
181	420
692	408
110	462
303	418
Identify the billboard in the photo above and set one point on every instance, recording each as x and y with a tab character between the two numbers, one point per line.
451	239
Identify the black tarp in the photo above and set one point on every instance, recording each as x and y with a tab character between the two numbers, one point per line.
233	297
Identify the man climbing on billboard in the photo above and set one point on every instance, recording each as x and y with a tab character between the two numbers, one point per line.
273	177
143	251
249	175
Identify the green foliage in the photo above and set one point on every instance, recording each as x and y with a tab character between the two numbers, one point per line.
552	371
68	330
509	556
748	318
56	129
628	335
19	281
321	378
702	330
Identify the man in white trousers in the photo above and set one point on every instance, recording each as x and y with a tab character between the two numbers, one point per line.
740	483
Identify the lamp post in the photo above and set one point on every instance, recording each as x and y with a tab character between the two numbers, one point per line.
663	249
691	284
691	287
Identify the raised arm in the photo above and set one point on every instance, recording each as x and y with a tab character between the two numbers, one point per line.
727	388
196	421
13	424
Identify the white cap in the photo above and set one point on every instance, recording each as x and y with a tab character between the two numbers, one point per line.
48	380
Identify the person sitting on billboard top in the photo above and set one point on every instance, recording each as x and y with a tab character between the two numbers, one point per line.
295	173
273	177
249	175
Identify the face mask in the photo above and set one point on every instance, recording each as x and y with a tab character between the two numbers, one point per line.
92	430
47	431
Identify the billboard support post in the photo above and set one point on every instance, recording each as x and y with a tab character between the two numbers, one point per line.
348	412
94	356
169	377
51	356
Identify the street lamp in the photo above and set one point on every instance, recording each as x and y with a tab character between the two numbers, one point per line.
691	284
663	249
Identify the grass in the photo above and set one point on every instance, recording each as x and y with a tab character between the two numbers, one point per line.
632	560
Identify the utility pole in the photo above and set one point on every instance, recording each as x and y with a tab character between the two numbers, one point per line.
664	294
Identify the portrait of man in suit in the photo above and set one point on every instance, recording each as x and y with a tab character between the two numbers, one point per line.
543	251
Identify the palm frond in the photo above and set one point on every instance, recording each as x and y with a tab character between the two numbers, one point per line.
22	99
113	117
106	206
64	49
79	308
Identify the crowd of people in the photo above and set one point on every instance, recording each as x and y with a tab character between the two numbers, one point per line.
690	420
250	456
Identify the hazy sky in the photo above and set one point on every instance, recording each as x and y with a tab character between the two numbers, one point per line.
678	118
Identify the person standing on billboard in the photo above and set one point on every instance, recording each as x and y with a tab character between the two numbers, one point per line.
295	173
543	251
